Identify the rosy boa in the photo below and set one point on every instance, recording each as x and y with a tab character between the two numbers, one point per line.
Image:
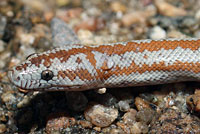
77	67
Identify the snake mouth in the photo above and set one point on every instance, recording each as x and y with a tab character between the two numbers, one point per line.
20	82
36	85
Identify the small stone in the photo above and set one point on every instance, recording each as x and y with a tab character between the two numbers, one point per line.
123	105
197	34
116	131
114	28
24	102
197	15
190	22
62	2
3	128
172	120
13	62
138	16
101	90
93	11
98	129
125	99
36	5
176	34
69	14
129	124
2	46
48	16
91	24
157	33
193	101
145	115
85	124
76	101
141	104
129	117
3	22
167	9
9	99
56	122
4	57
100	115
117	6
26	39
139	128
85	36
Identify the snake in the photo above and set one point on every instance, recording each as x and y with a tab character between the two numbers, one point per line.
76	67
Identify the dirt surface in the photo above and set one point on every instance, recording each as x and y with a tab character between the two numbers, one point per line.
25	29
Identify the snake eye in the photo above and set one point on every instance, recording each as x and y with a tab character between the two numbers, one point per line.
47	75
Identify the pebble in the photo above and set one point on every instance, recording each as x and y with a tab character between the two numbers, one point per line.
190	23
145	115
117	6
13	62
167	9
172	120
114	28
69	14
2	46
98	129
24	102
130	125
76	101
157	33
139	128
84	123
193	101
129	117
197	15
125	98
135	128
91	24
116	131
137	17
176	34
36	5
27	39
141	104
61	3
3	128
4	56
123	105
85	36
9	33
9	99
56	122
3	22
101	90
100	115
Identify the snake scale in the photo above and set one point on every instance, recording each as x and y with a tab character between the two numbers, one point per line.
76	67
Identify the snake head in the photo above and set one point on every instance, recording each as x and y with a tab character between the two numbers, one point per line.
52	70
31	74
